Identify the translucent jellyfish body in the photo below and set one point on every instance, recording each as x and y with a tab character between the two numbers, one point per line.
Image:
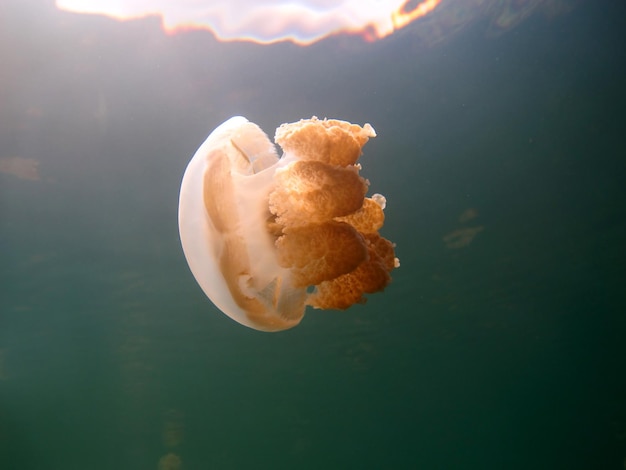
265	237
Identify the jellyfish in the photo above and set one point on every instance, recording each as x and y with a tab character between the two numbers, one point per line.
267	236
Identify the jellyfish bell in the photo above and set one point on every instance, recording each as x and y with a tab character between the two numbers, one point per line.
265	237
220	208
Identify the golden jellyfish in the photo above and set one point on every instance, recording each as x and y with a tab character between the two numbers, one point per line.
265	237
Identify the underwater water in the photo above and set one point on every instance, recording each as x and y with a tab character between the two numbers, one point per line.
498	344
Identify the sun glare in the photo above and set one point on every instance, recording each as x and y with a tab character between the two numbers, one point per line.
265	22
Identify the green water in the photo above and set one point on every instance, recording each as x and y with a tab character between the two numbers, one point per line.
505	353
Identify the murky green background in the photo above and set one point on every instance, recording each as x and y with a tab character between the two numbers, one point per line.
504	353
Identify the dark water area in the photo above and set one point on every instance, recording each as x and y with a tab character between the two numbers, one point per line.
499	343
